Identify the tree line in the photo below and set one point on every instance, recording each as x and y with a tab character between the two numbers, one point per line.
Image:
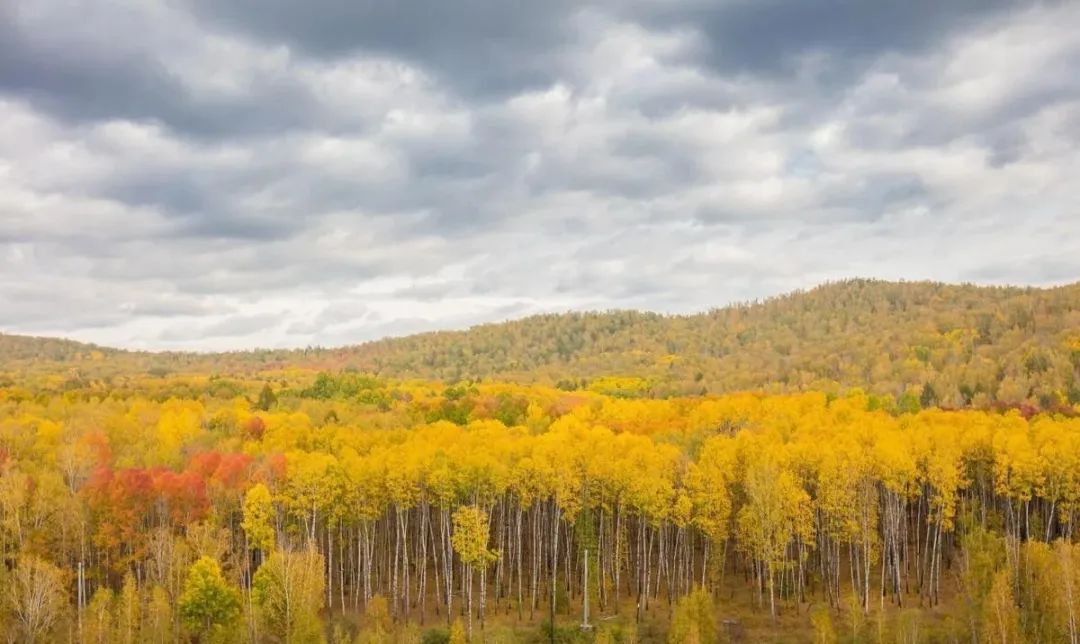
315	511
931	344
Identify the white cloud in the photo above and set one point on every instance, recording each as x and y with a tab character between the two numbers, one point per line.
169	180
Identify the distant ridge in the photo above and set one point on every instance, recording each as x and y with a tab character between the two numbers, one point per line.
956	343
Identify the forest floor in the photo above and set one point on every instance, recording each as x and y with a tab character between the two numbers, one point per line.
739	620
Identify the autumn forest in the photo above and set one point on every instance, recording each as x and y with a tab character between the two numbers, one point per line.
862	462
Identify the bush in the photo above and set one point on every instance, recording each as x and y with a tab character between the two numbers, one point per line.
435	636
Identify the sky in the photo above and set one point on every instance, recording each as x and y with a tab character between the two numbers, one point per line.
226	174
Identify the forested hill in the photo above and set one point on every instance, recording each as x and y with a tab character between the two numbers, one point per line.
949	345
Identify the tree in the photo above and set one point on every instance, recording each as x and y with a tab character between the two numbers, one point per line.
267	399
127	612
928	397
157	624
36	597
258	518
776	512
288	591
470	541
208	604
694	619
457	633
824	631
97	624
379	624
1002	617
1067	581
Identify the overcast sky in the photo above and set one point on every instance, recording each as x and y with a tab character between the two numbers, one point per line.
212	174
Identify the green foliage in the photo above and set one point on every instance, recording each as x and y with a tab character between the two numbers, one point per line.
395	481
928	398
436	636
208	604
564	634
342	385
908	403
267	398
975	344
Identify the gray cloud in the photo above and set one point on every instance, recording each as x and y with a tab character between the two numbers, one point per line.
487	48
225	174
771	37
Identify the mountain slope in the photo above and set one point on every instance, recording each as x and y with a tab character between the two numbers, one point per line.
952	344
965	341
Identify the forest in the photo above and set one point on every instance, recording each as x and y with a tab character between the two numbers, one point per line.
973	346
927	490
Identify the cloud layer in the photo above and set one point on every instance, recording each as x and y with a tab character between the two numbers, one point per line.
213	174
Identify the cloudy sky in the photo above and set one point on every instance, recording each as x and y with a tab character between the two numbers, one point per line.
212	174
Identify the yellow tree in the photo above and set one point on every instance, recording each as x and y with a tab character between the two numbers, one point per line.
288	592
258	522
36	597
1002	619
707	482
470	541
777	510
128	611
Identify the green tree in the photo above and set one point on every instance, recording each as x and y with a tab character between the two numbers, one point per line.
267	399
208	604
928	397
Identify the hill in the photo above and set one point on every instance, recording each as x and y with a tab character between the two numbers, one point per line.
952	345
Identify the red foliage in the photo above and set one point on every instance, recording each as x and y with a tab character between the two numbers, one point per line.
126	502
182	497
204	463
99	442
271	471
1026	410
123	501
254	428
233	472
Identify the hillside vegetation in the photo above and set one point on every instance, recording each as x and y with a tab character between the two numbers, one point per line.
398	492
948	345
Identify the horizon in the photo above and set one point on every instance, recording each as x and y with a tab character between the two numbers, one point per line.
463	329
225	175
